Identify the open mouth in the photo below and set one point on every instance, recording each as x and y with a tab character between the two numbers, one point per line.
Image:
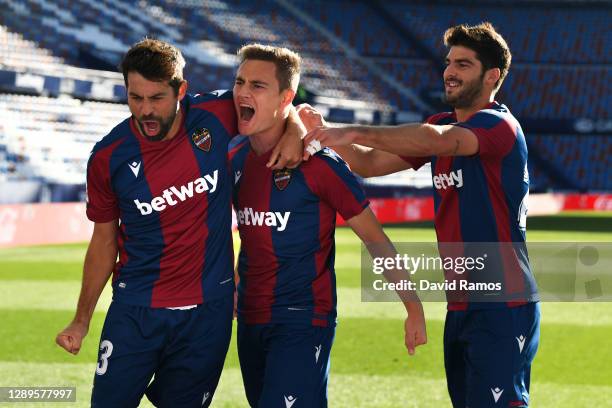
151	127
246	112
452	84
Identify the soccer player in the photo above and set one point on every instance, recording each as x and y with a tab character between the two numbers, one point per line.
286	219
478	159
159	194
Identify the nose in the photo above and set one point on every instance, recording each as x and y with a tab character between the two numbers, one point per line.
449	72
146	108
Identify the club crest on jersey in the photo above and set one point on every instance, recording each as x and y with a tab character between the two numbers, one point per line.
282	178
202	139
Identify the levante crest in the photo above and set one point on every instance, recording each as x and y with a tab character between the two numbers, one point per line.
202	139
282	178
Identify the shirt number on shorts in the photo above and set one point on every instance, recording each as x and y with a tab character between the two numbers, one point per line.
107	349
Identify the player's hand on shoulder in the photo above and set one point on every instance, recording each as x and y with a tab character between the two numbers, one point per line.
288	151
72	336
310	117
415	328
325	136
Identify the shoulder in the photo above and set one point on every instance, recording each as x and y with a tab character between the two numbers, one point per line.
325	158
217	104
113	139
440	118
495	116
220	96
326	166
237	146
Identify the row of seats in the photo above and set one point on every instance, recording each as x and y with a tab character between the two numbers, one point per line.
581	161
535	33
51	138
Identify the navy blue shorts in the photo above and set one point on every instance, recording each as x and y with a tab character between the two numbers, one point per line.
488	355
285	365
184	349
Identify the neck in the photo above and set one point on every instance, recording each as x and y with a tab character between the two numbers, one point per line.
464	114
175	125
264	141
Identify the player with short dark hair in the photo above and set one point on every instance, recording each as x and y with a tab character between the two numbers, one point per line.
286	219
159	194
478	159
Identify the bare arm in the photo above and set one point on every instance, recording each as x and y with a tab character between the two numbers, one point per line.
370	232
414	139
368	162
99	263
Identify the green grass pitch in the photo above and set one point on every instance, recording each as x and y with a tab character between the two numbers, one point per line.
370	367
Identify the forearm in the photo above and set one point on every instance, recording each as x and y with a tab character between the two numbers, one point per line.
99	263
386	250
379	246
414	139
357	158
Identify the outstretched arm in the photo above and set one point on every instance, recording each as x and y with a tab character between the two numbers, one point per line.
414	139
366	162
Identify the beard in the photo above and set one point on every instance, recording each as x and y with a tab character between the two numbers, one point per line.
164	126
467	96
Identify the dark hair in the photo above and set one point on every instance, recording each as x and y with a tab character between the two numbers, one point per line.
287	62
490	47
156	61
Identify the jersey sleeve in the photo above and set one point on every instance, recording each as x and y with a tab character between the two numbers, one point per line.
495	132
330	178
102	203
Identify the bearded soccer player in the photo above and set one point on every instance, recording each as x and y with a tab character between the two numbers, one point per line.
159	194
286	219
478	158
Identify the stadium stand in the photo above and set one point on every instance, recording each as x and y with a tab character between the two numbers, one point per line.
364	61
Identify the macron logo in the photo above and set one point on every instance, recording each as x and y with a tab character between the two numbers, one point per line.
267	218
444	181
496	393
289	401
521	342
135	167
172	196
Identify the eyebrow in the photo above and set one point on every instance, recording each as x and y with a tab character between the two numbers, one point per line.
152	96
255	82
460	61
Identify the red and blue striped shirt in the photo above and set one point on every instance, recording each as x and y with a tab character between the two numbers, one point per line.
173	200
482	199
286	221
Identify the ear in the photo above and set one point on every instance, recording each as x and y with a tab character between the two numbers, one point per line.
287	97
182	90
492	76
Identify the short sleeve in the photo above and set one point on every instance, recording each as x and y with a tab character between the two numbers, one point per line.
101	200
329	177
496	133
